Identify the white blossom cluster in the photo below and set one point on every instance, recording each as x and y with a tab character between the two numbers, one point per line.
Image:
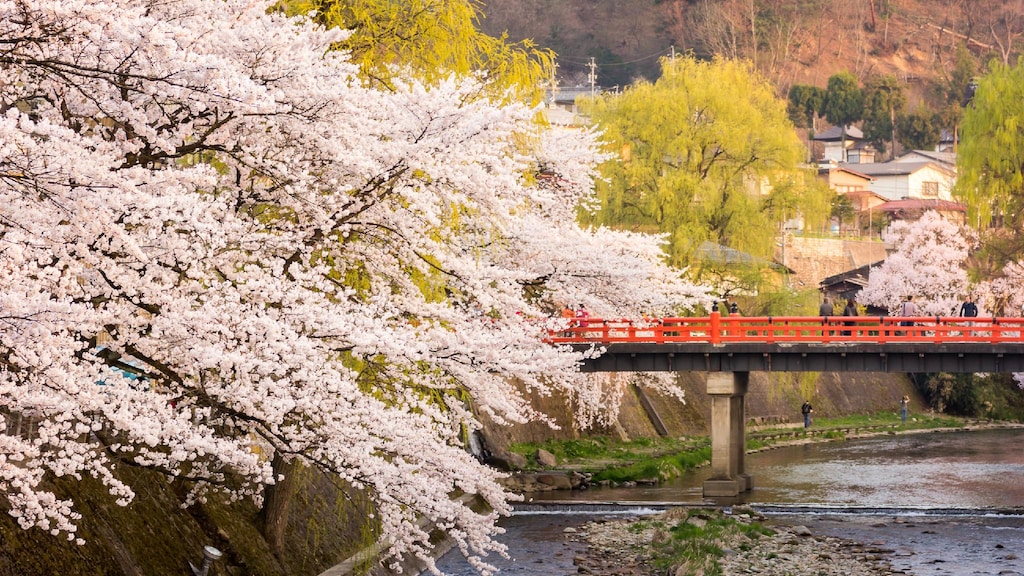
927	262
214	239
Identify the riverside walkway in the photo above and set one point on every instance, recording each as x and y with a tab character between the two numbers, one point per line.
729	348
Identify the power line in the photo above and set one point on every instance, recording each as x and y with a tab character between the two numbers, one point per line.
610	64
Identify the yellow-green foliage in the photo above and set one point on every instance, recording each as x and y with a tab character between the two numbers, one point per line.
706	153
990	159
434	39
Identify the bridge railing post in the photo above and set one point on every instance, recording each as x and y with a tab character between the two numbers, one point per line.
716	327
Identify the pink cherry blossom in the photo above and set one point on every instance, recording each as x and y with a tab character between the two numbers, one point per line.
216	246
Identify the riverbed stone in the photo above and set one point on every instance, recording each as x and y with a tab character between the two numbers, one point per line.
545	458
616	549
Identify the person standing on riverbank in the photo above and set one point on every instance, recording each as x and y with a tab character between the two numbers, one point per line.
806	410
904	407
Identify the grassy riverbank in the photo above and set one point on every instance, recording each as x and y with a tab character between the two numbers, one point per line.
652	460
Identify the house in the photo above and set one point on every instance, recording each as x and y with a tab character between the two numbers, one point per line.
910	178
913	208
861	153
947	141
847	284
843	179
560	103
836	145
866	204
946	158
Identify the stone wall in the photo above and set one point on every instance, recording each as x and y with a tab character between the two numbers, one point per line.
772	397
814	259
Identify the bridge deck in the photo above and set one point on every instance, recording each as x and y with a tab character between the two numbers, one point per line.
793	344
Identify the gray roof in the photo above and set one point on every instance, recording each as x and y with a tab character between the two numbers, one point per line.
948	158
876	169
712	252
835	134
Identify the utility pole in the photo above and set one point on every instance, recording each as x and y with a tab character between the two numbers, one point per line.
554	82
593	76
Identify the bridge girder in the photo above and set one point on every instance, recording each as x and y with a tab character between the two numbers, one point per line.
968	357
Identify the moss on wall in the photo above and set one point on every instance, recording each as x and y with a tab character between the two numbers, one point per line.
155	536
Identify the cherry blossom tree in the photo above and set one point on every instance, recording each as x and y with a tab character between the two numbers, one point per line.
214	237
927	262
1002	294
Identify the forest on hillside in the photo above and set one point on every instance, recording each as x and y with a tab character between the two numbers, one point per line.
790	41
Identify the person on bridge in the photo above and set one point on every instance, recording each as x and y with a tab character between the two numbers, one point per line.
581	316
569	314
908	310
969	309
850	310
826	307
806	410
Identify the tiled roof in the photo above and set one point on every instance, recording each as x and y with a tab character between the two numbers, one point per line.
835	134
914	204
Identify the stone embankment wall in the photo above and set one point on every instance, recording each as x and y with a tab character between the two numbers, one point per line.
814	259
773	397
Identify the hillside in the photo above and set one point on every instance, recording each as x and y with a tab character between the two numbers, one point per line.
792	41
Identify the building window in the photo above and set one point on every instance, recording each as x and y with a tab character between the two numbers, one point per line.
929	189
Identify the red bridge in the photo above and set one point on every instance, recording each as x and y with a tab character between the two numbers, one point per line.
799	343
729	348
717	329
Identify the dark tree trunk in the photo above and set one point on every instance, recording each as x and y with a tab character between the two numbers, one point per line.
277	503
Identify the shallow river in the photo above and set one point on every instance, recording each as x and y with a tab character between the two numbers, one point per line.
947	504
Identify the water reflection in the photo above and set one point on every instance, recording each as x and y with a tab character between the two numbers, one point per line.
983	469
948	504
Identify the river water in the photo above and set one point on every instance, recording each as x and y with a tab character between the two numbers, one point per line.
946	504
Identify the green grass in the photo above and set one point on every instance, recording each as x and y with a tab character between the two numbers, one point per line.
599	451
659	468
661	459
695	541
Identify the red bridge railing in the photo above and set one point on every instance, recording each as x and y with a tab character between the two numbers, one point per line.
717	329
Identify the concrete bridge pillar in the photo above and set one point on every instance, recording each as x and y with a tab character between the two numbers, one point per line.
728	434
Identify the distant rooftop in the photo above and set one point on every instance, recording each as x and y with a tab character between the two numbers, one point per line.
835	134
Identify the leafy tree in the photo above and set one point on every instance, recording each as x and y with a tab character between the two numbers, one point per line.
804	104
694	152
920	129
844	100
842	209
990	160
927	263
961	77
433	38
222	251
883	101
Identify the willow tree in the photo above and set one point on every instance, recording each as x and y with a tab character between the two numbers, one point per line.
433	39
706	153
990	164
